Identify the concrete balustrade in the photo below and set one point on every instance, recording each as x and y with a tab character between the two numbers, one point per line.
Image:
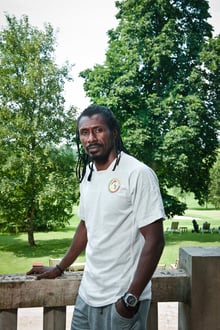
195	285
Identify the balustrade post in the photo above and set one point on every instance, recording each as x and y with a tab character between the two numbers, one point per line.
8	319
203	267
152	320
54	318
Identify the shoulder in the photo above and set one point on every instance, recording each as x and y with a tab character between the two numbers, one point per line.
137	170
131	162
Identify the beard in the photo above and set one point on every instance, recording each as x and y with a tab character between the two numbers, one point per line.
100	155
99	158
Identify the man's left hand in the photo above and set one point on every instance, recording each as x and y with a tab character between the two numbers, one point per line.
124	311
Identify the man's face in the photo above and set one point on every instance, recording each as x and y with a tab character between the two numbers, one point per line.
96	138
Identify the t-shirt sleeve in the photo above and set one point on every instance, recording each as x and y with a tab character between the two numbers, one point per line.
146	197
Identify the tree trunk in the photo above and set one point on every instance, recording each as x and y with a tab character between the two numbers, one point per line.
31	240
31	212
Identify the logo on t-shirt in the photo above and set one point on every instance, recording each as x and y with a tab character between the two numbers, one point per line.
114	185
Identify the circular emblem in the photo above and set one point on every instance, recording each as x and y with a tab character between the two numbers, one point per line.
114	185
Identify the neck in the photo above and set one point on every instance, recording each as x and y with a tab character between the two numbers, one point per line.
103	164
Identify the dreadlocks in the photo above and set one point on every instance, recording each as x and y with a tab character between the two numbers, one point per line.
111	122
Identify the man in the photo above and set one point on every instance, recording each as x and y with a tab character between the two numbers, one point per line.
121	229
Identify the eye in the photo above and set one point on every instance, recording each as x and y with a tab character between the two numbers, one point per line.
84	132
98	130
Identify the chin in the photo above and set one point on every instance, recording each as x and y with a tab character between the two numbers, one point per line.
98	158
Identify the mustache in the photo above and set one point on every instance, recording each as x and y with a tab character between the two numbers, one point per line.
93	145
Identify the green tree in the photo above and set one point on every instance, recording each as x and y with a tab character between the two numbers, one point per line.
162	82
214	187
37	179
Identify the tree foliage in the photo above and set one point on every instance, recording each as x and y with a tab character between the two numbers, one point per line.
214	186
161	79
37	178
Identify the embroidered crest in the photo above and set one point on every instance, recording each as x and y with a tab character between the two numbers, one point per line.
114	185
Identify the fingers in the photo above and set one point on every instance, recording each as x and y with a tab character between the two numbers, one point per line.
48	274
44	272
37	267
37	270
30	272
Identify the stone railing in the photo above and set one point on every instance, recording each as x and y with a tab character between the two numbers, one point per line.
195	285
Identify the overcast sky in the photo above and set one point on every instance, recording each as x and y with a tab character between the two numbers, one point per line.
82	38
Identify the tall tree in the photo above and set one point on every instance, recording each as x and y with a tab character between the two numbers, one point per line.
214	187
37	178
163	84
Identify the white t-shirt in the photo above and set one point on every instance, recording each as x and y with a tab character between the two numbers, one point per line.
114	205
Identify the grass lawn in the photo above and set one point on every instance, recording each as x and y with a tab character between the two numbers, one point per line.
17	257
176	240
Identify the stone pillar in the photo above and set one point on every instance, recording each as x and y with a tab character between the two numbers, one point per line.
202	311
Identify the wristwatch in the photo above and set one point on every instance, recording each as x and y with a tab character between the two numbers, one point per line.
130	300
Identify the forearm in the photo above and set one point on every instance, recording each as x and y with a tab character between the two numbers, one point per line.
148	261
77	246
146	267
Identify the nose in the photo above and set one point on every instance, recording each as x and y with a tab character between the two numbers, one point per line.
91	137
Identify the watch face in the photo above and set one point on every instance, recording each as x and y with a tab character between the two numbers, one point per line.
130	300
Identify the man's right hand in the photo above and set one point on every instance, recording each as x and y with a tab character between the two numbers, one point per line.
44	272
